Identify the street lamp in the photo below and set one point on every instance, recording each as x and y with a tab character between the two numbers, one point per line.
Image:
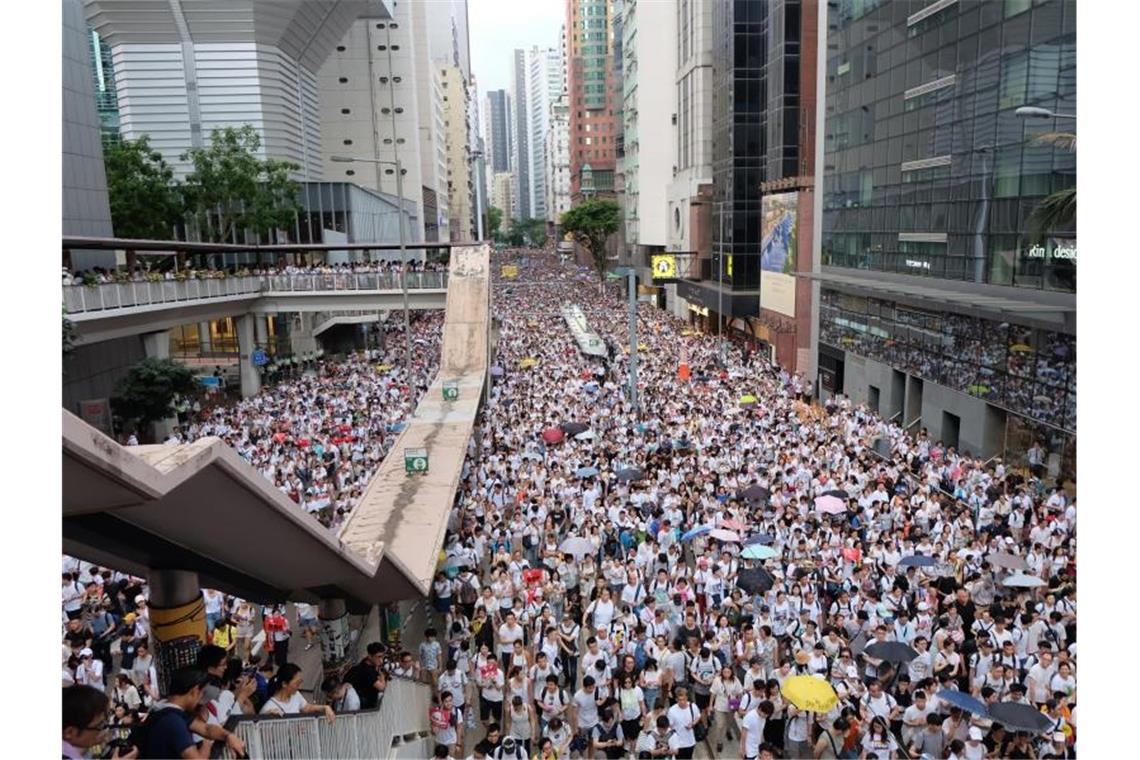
1033	112
403	249
475	156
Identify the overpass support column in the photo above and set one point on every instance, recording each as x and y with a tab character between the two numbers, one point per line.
156	345
205	341
177	621
261	329
334	633
250	376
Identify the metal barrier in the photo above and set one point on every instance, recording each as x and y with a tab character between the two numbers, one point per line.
403	711
79	299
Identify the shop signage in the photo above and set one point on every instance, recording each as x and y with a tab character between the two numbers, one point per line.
1056	250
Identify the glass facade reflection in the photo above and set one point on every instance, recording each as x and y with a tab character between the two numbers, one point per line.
928	170
1025	370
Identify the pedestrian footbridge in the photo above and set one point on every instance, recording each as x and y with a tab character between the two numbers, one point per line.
200	507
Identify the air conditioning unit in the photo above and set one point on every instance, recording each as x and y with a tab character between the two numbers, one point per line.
674	119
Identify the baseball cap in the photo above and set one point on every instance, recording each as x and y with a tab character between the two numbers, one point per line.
85	652
975	734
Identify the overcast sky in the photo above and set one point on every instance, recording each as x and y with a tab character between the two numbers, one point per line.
497	27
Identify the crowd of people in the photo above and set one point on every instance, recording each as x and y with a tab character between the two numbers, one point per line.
108	275
650	582
640	583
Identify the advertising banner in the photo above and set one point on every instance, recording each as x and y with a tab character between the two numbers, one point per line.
588	342
778	253
664	266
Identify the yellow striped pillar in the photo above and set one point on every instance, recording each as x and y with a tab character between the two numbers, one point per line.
177	621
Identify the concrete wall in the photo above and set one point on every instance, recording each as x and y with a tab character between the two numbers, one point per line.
982	427
92	371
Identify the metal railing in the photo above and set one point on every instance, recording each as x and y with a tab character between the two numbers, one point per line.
80	299
402	716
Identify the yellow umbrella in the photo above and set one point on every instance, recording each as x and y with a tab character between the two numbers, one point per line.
809	693
747	399
688	333
383	367
1021	348
527	363
642	347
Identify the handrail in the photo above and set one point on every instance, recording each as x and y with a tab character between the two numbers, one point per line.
81	298
896	414
913	422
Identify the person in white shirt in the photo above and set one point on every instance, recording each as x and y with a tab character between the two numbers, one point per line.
683	719
752	729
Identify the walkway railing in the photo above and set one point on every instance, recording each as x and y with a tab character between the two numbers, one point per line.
401	717
81	299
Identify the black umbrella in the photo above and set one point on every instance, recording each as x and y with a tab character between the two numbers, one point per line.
1018	717
918	560
630	474
760	538
755	580
838	493
573	428
754	493
890	651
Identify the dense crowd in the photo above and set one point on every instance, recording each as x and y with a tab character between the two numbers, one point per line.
641	583
105	275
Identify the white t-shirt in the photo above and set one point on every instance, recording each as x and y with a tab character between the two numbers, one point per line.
754	724
679	720
508	636
587	709
453	684
290	706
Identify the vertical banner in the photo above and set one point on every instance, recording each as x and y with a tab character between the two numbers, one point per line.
778	253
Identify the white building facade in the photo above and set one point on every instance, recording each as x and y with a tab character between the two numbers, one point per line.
544	87
556	173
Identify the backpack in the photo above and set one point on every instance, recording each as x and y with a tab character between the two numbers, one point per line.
467	593
639	655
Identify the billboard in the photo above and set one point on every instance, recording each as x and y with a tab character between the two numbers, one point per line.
664	267
778	229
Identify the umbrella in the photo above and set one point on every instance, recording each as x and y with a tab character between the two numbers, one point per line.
577	546
759	538
733	524
587	472
573	428
1018	717
759	551
383	367
1023	581
496	371
700	530
748	399
964	701
978	390
830	505
456	560
1007	561
838	493
586	435
755	580
809	693
1021	348
532	455
754	493
728	536
890	651
918	560
553	435
630	474
527	363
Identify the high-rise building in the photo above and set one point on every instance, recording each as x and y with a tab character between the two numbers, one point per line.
496	130
457	133
592	95
544	86
478	168
556	151
648	91
106	97
520	127
426	28
179	74
940	309
503	195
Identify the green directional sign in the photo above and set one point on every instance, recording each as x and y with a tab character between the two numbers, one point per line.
450	390
415	461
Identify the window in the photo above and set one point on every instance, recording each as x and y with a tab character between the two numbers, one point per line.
348	142
340	48
343	80
381	47
350	173
346	110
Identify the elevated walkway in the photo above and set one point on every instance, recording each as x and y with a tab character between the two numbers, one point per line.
201	507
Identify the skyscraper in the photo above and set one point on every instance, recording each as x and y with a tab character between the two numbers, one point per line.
520	125
591	89
544	86
496	130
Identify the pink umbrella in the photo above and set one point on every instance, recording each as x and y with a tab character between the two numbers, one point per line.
553	435
733	524
720	534
831	505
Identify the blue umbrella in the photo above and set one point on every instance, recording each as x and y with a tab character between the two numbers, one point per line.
918	560
758	551
587	472
759	538
964	701
496	371
700	530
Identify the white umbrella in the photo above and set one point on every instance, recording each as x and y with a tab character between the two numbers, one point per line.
1023	581
586	435
720	534
1008	561
577	546
831	505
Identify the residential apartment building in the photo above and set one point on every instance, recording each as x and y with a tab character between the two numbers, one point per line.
521	135
592	95
544	87
938	307
556	151
503	195
460	187
429	24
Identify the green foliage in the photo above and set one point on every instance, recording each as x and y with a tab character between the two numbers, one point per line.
148	392
69	336
591	223
1056	212
145	201
494	222
231	189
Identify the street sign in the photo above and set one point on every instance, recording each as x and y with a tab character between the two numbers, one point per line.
450	390
415	461
259	358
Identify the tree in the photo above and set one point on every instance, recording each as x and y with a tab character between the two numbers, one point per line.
148	392
534	230
590	223
1059	210
232	190
145	201
494	221
516	234
69	336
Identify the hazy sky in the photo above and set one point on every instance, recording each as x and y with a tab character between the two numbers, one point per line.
497	27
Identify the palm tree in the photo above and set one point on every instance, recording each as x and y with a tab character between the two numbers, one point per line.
1059	210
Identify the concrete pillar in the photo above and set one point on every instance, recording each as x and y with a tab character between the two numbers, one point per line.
205	341
302	340
250	376
334	633
261	329
156	345
177	621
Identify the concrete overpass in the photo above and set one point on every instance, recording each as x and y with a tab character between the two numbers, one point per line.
201	511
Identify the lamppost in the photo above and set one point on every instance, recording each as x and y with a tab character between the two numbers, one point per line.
403	247
476	155
1033	112
720	287
631	273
